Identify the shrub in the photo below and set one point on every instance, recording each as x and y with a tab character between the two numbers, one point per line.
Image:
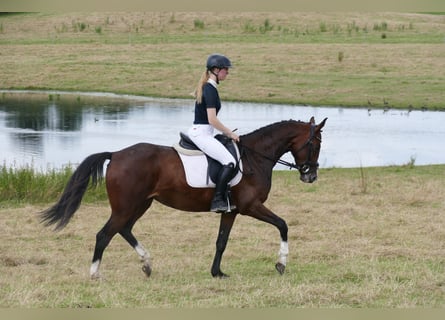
266	26
199	24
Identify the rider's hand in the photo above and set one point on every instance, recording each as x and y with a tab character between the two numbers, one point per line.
234	136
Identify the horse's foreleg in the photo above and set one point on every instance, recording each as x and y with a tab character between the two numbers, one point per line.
262	213
284	246
225	227
282	257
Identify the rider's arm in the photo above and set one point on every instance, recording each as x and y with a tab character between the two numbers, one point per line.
214	121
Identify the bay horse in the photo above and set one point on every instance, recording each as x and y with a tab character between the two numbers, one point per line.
144	172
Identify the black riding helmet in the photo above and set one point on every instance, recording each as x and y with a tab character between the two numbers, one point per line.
218	61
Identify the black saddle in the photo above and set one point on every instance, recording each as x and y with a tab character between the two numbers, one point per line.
214	165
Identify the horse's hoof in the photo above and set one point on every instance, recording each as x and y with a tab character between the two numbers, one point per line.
220	275
280	267
95	276
147	270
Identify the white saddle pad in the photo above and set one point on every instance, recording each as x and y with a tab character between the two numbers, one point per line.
195	166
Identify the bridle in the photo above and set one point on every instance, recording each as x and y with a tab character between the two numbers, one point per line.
306	165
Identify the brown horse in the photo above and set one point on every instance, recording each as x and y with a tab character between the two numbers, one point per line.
144	172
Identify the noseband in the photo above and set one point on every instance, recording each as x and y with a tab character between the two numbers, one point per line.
304	167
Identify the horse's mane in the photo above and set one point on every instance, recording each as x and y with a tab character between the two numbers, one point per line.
271	127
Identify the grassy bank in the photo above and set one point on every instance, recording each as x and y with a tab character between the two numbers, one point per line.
372	60
370	237
26	185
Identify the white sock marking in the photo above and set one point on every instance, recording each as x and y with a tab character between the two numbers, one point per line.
144	254
283	253
94	269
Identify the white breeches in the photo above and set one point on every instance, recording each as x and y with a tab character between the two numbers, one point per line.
202	135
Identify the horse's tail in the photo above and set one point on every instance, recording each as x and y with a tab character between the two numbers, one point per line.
72	195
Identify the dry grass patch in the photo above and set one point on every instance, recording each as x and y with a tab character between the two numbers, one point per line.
380	248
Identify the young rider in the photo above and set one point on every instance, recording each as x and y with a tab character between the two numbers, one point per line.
207	106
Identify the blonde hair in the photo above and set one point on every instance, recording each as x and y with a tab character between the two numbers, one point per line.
197	94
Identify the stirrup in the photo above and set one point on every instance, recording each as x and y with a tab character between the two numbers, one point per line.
230	206
226	208
219	210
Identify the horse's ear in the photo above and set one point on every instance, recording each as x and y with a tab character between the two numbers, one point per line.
321	125
312	121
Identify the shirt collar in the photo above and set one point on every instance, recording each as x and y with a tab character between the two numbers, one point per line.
212	82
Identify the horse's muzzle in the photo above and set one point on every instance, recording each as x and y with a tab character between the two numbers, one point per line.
308	177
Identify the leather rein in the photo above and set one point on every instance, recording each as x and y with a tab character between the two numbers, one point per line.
303	168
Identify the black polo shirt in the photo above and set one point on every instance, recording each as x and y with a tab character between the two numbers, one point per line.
210	99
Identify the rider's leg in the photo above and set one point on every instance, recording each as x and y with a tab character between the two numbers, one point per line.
202	136
220	202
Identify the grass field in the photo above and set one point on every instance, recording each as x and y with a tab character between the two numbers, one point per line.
371	60
368	238
364	238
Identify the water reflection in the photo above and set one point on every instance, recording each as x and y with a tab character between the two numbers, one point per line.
53	132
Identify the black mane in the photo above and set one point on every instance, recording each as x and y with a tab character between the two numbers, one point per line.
267	129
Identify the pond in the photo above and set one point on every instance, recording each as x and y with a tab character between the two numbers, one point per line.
65	127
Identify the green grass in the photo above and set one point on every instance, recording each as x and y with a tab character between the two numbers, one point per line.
26	185
241	27
261	34
290	58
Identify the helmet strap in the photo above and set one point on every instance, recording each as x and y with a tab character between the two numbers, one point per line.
216	75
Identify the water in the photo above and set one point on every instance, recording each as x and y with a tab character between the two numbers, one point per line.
51	134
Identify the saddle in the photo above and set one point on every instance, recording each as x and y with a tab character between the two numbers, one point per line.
187	147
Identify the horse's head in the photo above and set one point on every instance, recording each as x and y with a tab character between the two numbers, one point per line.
306	149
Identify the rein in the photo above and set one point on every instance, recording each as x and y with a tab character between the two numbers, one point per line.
304	168
280	161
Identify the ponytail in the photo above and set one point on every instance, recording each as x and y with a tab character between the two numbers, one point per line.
198	91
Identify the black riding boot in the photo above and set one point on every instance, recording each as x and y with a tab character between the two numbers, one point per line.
220	201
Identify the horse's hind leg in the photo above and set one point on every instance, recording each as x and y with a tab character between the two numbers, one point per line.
134	243
103	238
123	224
